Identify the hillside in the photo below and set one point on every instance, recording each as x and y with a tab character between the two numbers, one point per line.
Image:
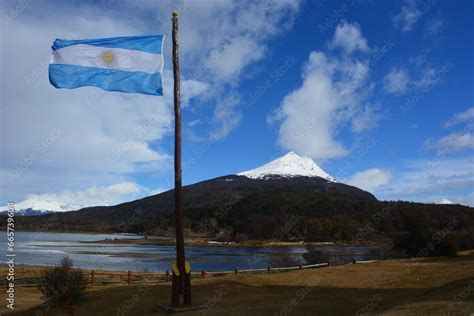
200	201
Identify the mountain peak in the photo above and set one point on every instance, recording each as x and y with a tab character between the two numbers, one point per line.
445	201
289	165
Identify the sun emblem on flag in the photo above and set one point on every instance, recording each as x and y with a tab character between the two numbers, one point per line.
108	57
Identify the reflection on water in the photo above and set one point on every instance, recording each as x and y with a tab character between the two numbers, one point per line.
37	248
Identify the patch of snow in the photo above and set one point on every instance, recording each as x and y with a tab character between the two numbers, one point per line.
444	201
289	165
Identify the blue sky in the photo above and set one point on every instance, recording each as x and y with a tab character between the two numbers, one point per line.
378	93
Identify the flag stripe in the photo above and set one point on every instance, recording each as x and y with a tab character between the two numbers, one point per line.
150	43
70	77
120	59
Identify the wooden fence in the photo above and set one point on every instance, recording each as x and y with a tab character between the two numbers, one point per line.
137	277
108	277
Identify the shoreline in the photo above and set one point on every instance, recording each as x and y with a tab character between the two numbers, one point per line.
161	240
33	268
166	241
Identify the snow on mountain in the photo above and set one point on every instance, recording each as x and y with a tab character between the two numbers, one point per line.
289	165
36	203
445	201
68	200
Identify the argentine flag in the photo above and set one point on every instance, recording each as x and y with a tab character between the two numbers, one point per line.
132	64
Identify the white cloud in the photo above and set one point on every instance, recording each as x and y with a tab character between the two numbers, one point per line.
220	39
233	57
194	123
397	80
329	98
370	179
227	36
349	37
407	17
427	179
455	141
226	113
452	142
428	79
192	89
459	118
365	118
418	60
433	27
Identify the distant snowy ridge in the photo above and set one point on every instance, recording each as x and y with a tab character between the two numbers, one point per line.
37	205
289	165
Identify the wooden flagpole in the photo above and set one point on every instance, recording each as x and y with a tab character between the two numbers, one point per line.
181	284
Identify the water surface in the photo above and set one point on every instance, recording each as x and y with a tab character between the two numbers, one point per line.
41	248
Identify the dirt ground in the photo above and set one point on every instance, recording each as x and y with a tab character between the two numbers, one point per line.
430	286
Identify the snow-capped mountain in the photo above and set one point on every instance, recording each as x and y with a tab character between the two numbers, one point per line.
36	205
289	165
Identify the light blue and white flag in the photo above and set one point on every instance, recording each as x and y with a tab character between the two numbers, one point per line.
132	64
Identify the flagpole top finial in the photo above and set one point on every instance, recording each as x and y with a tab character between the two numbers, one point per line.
175	13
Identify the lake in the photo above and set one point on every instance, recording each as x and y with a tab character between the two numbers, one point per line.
41	248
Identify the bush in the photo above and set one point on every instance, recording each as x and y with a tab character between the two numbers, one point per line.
63	284
447	247
409	243
224	236
466	240
241	237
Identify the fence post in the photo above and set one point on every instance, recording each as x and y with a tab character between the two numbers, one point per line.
301	267
92	278
167	276
236	270
203	273
268	269
129	277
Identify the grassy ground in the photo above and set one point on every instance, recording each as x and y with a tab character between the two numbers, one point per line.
431	286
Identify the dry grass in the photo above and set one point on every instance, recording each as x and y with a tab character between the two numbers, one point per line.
391	287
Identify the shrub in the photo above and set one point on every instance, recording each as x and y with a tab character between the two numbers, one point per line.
447	247
241	237
63	284
224	236
410	243
466	240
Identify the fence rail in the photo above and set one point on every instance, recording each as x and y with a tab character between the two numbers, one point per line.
94	277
